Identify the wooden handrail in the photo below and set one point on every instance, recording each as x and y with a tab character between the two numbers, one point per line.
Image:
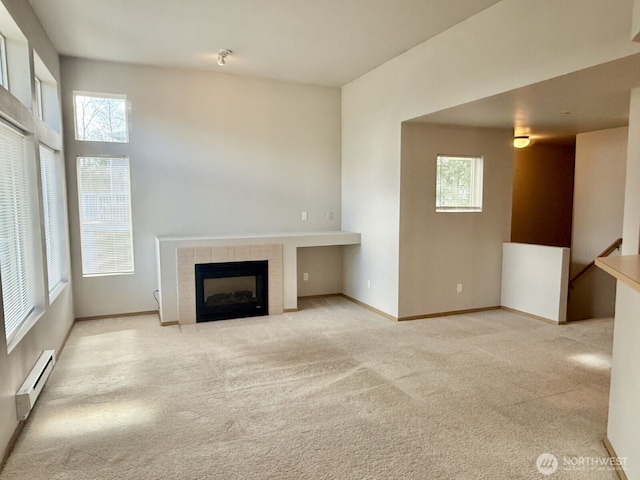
606	252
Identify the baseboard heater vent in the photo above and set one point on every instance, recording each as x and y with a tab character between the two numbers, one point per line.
32	386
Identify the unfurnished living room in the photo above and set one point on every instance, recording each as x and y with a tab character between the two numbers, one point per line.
284	239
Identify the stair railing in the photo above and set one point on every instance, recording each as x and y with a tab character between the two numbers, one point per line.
605	253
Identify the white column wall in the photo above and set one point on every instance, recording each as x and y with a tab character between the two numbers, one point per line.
623	429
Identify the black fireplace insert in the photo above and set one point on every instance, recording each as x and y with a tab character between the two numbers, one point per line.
231	290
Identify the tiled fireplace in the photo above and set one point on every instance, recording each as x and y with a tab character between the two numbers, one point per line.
177	256
188	258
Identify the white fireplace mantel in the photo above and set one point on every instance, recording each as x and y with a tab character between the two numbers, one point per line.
167	261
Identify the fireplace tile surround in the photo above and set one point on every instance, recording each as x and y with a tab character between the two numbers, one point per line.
189	257
176	258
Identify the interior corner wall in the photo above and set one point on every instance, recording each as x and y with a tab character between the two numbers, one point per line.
210	155
477	58
323	266
439	250
598	210
52	327
543	195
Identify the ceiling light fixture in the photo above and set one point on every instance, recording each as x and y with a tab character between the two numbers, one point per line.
521	141
222	55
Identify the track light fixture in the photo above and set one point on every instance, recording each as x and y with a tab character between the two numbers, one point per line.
222	55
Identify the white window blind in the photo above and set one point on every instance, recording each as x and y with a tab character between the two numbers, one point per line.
16	231
105	215
53	207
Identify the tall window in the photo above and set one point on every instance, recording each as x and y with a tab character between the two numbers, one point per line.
53	207
17	234
101	118
38	85
4	75
458	184
105	215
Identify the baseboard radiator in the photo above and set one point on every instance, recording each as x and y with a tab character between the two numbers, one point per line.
34	383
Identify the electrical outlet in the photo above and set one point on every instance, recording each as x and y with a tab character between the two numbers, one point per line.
304	216
305	277
459	288
329	215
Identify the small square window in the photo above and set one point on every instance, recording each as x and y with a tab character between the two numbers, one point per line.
101	117
458	183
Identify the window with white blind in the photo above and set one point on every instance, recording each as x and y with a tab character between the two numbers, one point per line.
458	183
104	199
53	207
17	235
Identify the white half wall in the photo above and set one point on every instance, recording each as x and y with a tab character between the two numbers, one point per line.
211	154
535	279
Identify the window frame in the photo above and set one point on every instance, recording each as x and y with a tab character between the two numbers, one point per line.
112	96
38	90
475	186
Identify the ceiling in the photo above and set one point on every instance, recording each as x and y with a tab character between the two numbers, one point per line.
329	42
324	42
554	111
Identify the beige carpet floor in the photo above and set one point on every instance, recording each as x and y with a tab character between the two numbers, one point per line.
330	392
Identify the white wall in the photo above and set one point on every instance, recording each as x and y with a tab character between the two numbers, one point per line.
479	57
623	429
211	154
535	279
50	330
438	251
598	206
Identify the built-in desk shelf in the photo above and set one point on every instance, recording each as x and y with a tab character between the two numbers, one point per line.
167	260
625	268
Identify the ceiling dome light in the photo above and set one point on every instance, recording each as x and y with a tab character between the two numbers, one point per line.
521	141
222	55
